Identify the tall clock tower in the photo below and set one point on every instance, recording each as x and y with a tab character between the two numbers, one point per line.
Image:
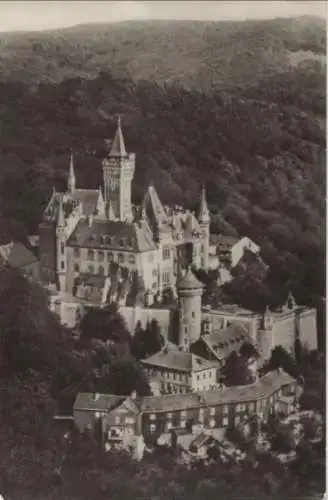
118	171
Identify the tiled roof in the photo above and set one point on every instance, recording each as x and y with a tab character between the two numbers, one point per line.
264	387
96	402
226	340
189	281
174	359
20	256
113	235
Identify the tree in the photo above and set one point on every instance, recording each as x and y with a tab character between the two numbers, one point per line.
105	324
147	341
235	370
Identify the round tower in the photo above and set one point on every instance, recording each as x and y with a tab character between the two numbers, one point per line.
190	292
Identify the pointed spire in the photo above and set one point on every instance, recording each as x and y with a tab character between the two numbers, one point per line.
71	176
203	212
118	145
60	216
111	213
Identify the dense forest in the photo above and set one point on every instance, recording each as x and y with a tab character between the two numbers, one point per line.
42	368
260	154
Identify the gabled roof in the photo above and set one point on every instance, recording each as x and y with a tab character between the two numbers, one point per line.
154	210
20	256
96	402
112	235
189	281
226	340
174	359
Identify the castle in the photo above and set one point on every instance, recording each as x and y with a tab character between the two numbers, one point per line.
95	247
89	232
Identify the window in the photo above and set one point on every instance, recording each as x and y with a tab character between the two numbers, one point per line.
101	256
166	278
91	268
225	422
193	314
62	248
225	409
110	256
204	375
132	259
76	252
101	270
183	424
121	258
238	407
169	426
90	255
76	267
197	378
183	414
62	264
152	427
152	416
169	415
202	248
212	411
212	422
166	253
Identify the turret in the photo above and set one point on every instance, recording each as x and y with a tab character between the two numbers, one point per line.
190	292
61	248
203	216
71	183
118	171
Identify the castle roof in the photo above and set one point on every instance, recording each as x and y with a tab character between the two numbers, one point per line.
118	145
154	210
88	199
223	342
223	242
174	359
190	282
112	235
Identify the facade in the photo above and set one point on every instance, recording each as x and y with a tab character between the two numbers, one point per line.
178	371
157	415
93	231
230	249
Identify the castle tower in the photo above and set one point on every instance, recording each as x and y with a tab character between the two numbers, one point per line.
203	216
118	172
61	248
71	183
190	292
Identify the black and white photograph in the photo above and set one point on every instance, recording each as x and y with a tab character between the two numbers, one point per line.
163	250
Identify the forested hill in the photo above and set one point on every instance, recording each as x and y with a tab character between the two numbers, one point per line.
202	55
260	153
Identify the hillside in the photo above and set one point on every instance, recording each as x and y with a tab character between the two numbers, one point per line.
261	155
202	55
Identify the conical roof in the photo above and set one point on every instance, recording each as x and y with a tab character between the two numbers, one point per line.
118	145
203	212
189	281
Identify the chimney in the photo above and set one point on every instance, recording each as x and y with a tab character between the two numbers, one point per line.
133	395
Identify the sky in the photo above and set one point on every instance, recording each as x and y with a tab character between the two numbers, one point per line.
34	15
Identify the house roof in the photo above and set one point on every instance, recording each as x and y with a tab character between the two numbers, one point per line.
20	256
174	359
96	402
189	281
112	235
88	199
226	340
154	210
264	387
